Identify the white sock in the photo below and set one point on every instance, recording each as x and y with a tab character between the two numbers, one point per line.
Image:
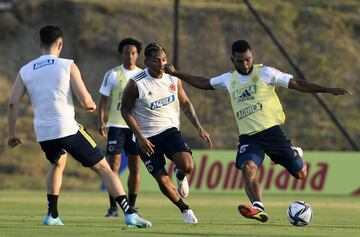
258	205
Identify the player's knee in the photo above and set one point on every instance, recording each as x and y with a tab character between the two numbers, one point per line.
249	168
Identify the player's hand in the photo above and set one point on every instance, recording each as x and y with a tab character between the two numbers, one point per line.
146	146
91	107
169	69
205	136
102	129
340	91
13	141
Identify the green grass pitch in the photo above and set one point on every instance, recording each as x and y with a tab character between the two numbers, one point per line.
21	213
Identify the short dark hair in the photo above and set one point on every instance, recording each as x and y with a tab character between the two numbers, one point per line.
240	46
129	41
49	34
152	47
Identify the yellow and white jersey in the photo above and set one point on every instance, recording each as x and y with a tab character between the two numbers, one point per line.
47	80
113	86
157	108
253	99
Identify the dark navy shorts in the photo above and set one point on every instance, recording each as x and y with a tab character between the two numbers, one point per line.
273	143
120	139
80	146
166	143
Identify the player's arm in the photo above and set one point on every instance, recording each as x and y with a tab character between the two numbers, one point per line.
195	81
79	89
304	86
17	93
102	114
130	94
188	108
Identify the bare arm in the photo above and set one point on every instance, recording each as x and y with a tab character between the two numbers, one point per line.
103	102
304	86
79	89
195	81
130	94
190	113
17	93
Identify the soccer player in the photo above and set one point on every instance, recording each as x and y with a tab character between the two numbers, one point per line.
119	134
151	107
258	114
50	82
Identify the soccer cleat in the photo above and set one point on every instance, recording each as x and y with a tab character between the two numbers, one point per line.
49	220
112	212
252	213
189	217
134	219
183	185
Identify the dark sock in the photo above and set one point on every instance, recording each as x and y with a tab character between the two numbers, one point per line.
179	175
112	202
124	204
52	205
132	199
181	205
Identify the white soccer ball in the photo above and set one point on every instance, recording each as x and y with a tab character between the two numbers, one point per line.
299	213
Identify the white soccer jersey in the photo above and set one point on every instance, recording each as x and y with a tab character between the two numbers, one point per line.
271	76
47	80
157	108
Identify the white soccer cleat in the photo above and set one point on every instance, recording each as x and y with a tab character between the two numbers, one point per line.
299	151
189	217
49	220
183	186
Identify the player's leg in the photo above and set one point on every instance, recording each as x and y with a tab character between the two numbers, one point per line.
249	157
169	190
134	178
83	148
133	165
115	144
177	150
57	157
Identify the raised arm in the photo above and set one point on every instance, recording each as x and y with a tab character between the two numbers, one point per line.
130	94
188	108
79	89
304	86
17	93
196	81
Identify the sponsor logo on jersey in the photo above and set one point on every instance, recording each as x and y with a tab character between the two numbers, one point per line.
162	102
249	110
244	94
43	63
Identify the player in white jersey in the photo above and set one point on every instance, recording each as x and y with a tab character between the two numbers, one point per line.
50	82
151	107
258	114
119	134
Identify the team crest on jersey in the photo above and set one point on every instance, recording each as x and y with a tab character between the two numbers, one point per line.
172	88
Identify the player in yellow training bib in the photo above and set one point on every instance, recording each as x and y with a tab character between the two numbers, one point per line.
258	114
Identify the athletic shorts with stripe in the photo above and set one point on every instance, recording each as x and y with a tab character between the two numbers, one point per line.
80	146
273	143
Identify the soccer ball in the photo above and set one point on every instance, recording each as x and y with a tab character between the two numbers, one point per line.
299	213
